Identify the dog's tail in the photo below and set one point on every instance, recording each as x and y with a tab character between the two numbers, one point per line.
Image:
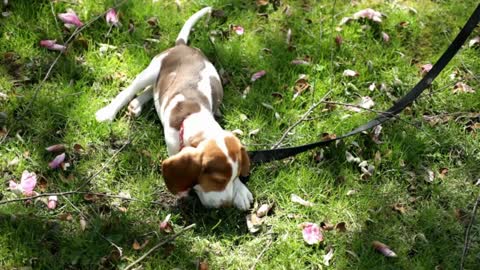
185	32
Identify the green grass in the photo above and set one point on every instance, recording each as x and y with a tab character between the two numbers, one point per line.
427	235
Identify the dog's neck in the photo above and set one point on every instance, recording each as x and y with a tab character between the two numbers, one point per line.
200	126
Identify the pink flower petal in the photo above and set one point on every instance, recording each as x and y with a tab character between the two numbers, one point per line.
52	202
57	161
70	18
385	37
424	69
112	18
28	182
350	73
258	75
51	45
238	29
312	233
368	14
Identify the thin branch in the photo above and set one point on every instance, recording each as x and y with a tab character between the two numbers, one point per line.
68	193
169	239
467	233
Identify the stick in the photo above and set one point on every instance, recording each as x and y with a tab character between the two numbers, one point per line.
67	193
467	233
189	227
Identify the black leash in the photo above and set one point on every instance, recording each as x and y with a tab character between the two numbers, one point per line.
263	156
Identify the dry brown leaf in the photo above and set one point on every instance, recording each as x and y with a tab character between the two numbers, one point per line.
152	21
326	226
203	265
384	249
262	2
83	223
341	227
301	85
56	148
461	87
328	136
328	257
442	173
253	223
400	208
65	216
78	148
263	210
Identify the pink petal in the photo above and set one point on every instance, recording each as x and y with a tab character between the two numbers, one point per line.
238	29
350	73
258	75
28	182
368	14
385	37
112	18
70	18
12	185
57	161
52	202
51	45
311	233
424	69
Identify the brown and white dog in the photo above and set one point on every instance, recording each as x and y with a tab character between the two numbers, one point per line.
187	92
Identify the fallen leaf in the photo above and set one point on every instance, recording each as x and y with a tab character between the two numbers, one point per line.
328	257
442	173
253	223
368	13
57	161
136	245
345	20
152	21
203	265
364	102
262	2
341	227
246	91
350	158
258	75
351	192
296	199
263	210
461	87
78	148
299	62
326	226
301	85
65	216
289	37
83	223
328	136
376	134
254	132
474	41
237	132
404	24
385	37
371	87
400	208
384	249
339	41
312	233
430	176
350	73
277	95
56	148
424	69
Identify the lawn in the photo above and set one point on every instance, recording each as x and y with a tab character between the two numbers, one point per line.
417	197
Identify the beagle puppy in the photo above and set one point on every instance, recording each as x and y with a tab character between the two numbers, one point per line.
187	91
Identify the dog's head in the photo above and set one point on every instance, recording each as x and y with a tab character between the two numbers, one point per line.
211	167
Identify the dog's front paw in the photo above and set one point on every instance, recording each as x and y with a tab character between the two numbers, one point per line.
135	107
243	198
106	114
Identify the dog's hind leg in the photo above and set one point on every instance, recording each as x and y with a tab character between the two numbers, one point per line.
146	78
135	106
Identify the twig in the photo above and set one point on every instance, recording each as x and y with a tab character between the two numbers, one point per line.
467	232
120	250
72	36
67	193
169	239
261	254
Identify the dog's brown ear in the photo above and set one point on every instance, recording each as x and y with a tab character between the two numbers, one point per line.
244	163
181	171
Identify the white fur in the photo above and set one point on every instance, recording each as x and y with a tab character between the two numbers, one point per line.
187	27
136	105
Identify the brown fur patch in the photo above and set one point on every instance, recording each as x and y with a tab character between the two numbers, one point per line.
181	111
181	171
237	152
216	171
180	74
